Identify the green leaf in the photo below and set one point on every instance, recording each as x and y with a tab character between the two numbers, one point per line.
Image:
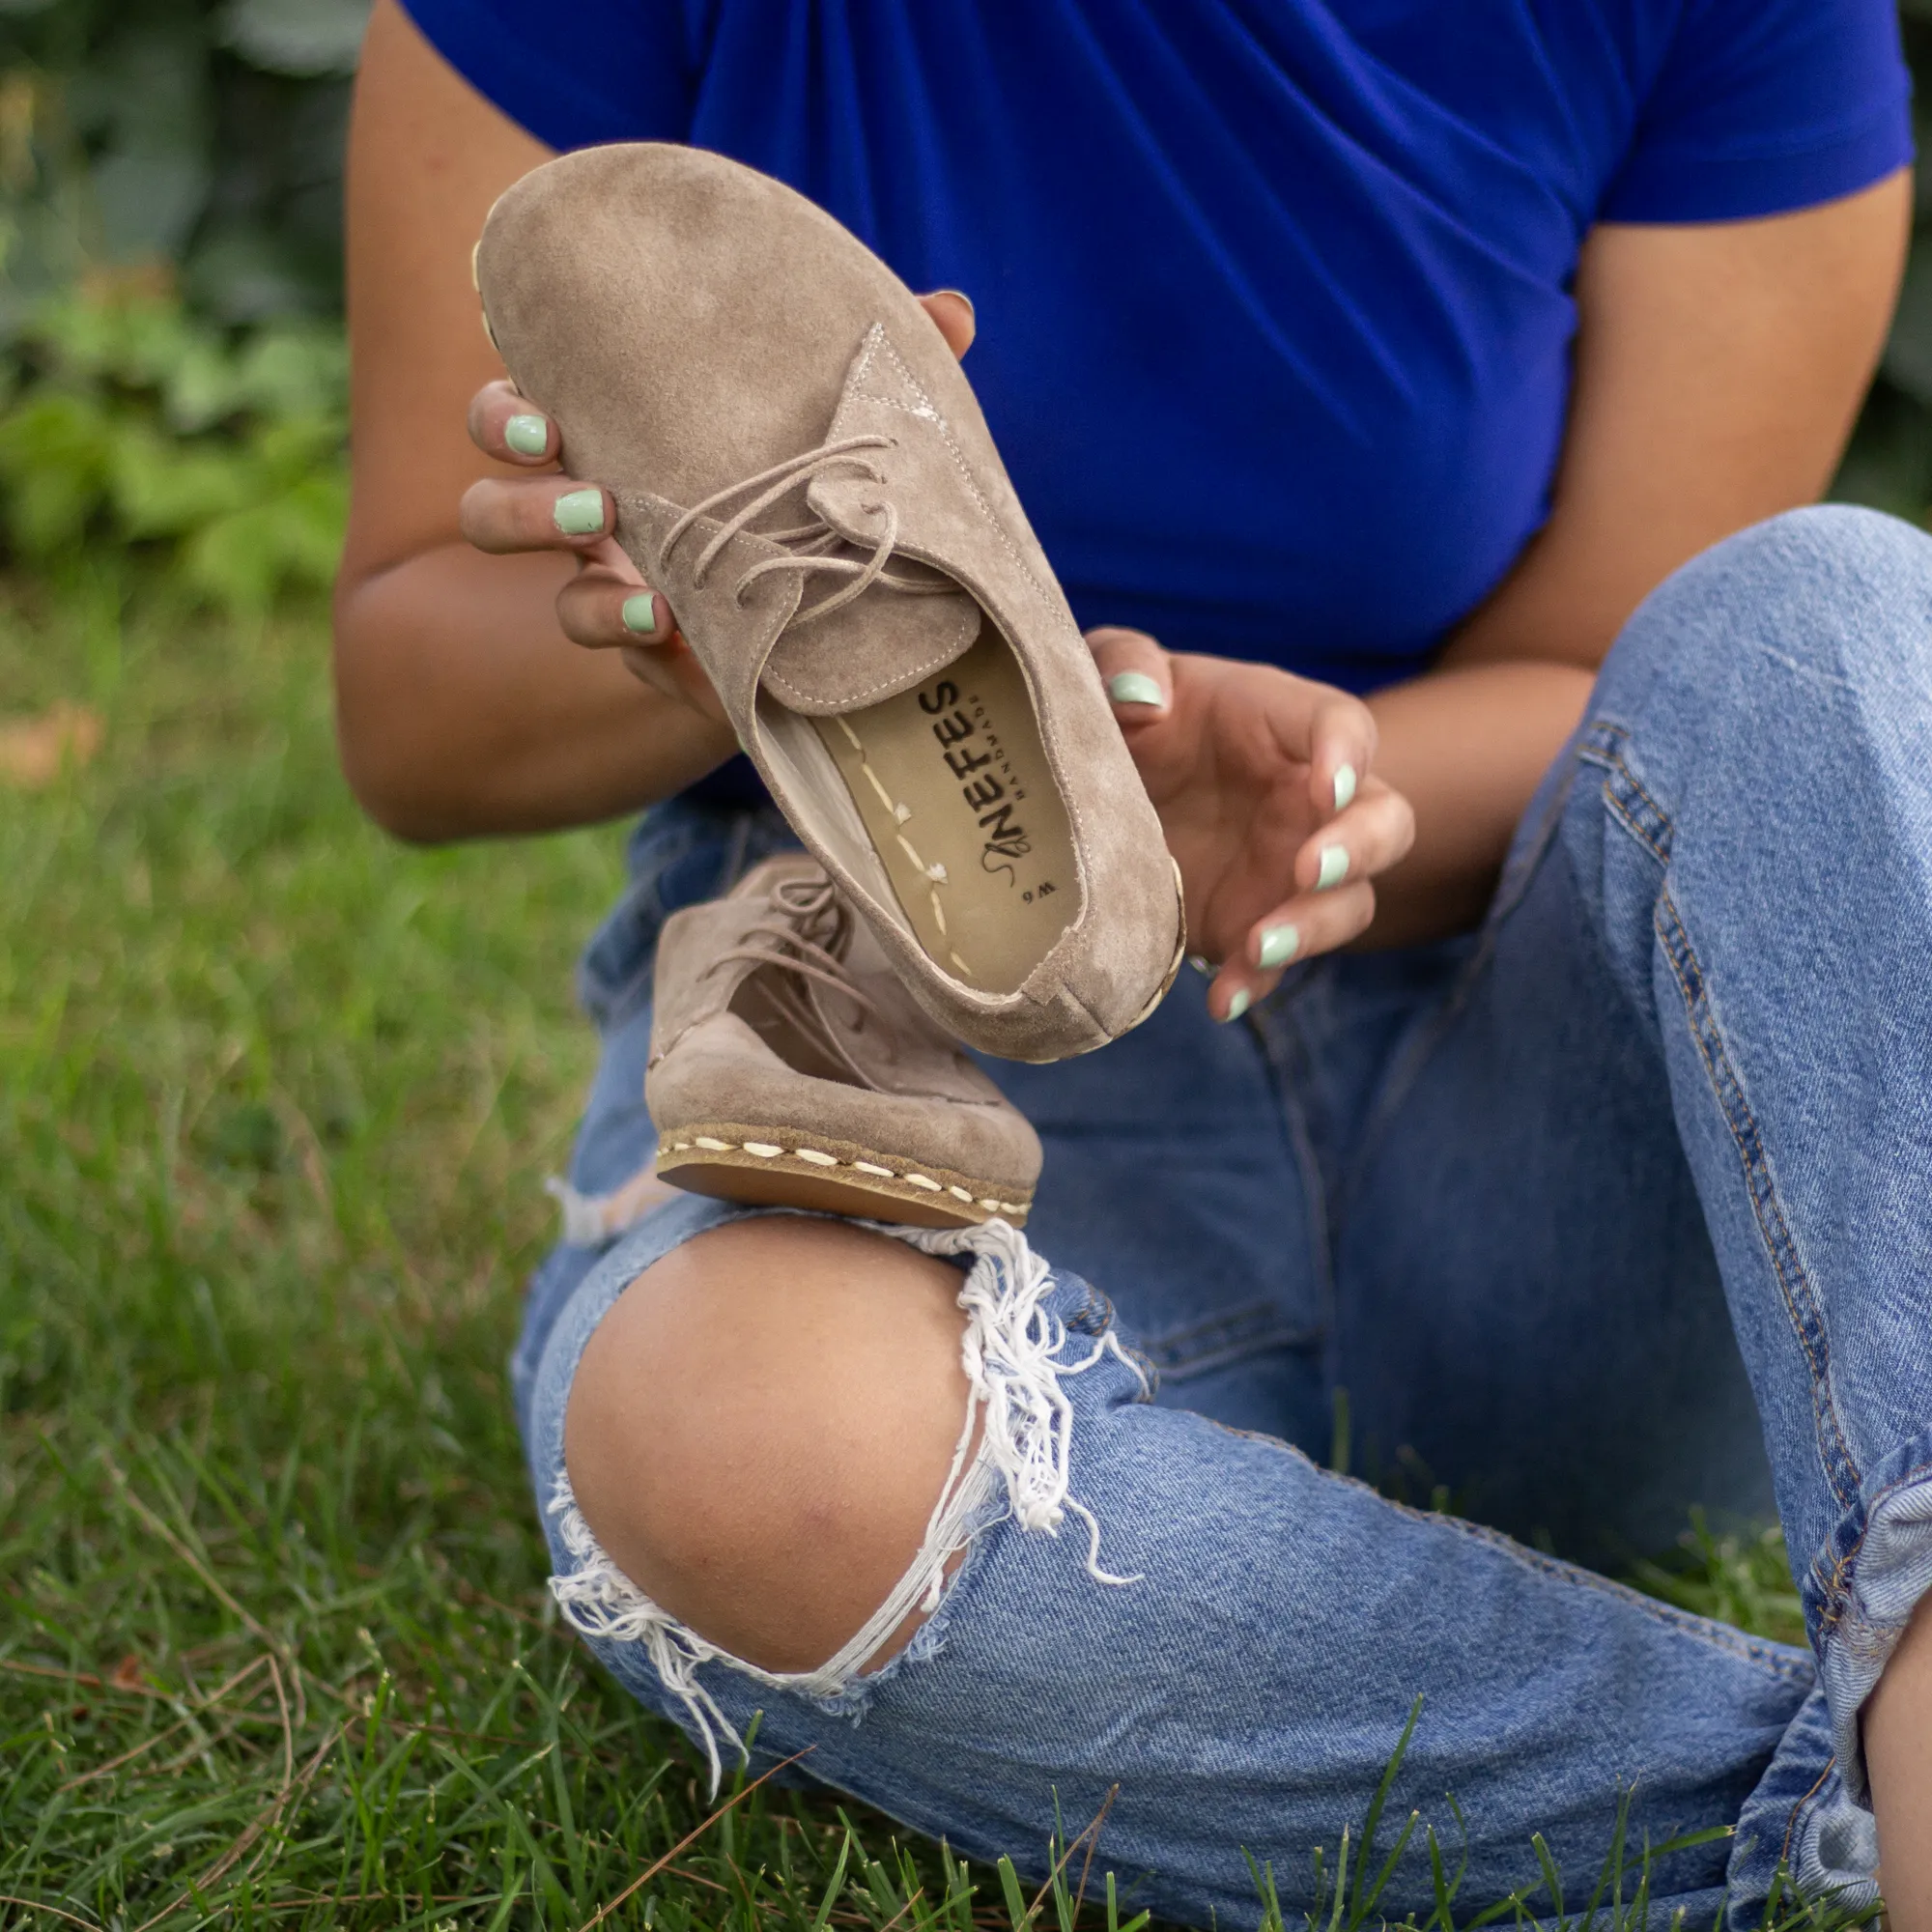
293	369
239	561
56	454
201	386
304	447
164	488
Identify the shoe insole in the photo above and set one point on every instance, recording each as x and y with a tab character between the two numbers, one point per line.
952	784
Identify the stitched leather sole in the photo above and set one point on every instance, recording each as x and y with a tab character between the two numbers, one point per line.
784	1167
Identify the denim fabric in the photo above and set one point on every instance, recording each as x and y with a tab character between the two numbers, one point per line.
1587	1213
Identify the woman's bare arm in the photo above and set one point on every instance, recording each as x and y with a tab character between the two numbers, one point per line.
1719	370
462	706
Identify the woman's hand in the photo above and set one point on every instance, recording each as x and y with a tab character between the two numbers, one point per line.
607	604
1267	789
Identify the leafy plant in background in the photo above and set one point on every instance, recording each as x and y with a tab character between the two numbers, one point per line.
171	370
137	425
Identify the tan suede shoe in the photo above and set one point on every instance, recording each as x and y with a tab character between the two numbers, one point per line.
801	468
788	1065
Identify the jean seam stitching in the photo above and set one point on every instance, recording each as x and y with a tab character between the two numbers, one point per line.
1798	1810
1607	747
1808	1323
1837	1597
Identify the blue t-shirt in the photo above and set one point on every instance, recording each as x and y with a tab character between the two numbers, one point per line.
1275	295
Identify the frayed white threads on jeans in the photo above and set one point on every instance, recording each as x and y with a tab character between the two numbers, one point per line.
589	1220
1010	1354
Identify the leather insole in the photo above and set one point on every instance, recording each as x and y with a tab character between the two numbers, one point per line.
954	788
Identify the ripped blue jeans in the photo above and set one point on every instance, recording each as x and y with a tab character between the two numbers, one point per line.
1617	1208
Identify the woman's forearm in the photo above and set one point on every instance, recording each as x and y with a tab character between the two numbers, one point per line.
465	711
1467	748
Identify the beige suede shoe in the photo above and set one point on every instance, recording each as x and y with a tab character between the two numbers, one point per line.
775	414
787	1065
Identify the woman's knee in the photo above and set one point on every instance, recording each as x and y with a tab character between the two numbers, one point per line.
1839	595
761	1426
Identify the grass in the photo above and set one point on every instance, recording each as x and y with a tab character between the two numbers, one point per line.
276	1099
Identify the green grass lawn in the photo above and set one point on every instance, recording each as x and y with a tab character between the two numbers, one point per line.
276	1101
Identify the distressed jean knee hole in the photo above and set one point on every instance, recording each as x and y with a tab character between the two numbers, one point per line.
1013	1354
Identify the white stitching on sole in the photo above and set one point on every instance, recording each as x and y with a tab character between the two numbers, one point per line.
1012	1355
815	1158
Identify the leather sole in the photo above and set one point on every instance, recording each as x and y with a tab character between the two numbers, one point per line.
782	1167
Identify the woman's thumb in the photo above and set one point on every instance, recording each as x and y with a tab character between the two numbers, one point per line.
1134	669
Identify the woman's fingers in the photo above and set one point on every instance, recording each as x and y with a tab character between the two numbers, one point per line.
1340	751
607	606
1334	903
602	610
1366	838
1136	671
951	309
1299	928
503	514
513	430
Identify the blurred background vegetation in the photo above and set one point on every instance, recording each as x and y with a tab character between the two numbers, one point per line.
172	378
172	374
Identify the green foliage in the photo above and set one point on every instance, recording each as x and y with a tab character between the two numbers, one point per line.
170	281
135	425
206	135
1740	1577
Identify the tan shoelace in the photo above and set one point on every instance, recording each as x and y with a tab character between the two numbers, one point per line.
809	541
803	943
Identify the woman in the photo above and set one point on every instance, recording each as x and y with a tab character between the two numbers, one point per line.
1363	349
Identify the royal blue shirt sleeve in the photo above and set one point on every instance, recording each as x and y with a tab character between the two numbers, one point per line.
1757	107
594	71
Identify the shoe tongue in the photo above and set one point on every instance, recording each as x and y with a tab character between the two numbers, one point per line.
881	643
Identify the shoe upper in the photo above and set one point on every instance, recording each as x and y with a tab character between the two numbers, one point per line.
727	360
775	1008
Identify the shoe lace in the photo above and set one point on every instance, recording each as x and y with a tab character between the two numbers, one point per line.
802	943
809	542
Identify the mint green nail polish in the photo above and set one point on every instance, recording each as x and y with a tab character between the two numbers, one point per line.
1279	944
1239	1004
1134	687
640	614
527	436
1345	786
579	513
1334	868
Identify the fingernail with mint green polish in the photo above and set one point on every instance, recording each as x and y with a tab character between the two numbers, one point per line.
1239	1004
1345	786
1134	687
1279	944
527	436
579	513
640	614
1334	868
